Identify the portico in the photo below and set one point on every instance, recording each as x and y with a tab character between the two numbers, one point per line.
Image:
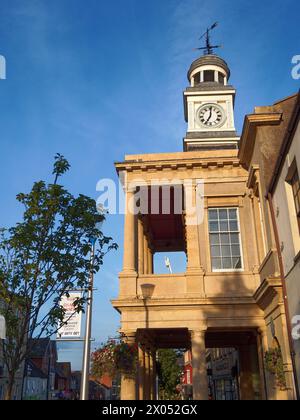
230	287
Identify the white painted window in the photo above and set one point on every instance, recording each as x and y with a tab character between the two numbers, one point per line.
225	239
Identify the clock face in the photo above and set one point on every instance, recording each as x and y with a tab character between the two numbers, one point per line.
211	116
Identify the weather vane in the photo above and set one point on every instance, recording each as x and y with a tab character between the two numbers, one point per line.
208	49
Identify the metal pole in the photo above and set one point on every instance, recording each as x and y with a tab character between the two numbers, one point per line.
84	389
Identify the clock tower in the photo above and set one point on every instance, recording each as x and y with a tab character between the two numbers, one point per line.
209	106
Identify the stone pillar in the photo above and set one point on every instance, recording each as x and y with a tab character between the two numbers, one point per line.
200	380
246	380
146	258
154	385
129	263
140	247
152	374
147	375
150	261
261	348
142	369
194	271
128	382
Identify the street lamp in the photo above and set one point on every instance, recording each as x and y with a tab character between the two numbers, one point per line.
147	291
84	389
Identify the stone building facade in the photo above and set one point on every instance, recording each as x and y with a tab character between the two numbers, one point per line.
270	151
202	201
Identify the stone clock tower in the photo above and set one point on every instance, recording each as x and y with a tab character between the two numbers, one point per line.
209	106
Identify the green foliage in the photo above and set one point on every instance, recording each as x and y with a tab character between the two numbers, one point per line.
169	373
274	364
43	257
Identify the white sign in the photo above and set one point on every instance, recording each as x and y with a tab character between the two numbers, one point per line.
73	319
2	328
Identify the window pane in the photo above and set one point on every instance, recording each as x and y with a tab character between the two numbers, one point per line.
214	226
224	227
233	214
226	251
223	214
233	226
227	263
216	251
237	263
214	239
235	249
225	238
216	263
213	214
235	239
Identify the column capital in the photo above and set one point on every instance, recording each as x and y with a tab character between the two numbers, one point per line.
199	332
262	330
129	337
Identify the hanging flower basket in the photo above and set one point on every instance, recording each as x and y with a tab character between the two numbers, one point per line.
113	358
103	360
274	365
126	358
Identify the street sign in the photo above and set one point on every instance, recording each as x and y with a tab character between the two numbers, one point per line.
2	328
72	329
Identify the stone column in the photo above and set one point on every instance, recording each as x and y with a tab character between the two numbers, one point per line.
146	258
147	375
200	380
194	272
141	372
246	380
129	263
128	382
150	376
140	247
154	385
150	261
261	343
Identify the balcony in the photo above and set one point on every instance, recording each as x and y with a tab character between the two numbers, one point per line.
210	285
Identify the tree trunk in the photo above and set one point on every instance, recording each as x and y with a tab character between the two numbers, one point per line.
10	384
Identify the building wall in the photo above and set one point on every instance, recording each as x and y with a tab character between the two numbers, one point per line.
35	389
288	230
284	205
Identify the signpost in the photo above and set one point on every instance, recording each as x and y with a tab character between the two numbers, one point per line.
72	319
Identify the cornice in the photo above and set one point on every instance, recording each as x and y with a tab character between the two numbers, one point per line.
188	302
177	164
267	291
252	121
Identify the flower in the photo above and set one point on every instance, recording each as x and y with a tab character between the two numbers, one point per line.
114	357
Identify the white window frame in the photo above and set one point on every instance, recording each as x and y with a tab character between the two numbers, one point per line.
226	270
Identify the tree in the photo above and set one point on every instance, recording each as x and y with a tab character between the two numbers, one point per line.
41	260
169	373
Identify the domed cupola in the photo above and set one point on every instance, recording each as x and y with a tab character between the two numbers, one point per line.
209	69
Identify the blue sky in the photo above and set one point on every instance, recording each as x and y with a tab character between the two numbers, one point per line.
94	80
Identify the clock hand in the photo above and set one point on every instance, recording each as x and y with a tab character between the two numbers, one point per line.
209	115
